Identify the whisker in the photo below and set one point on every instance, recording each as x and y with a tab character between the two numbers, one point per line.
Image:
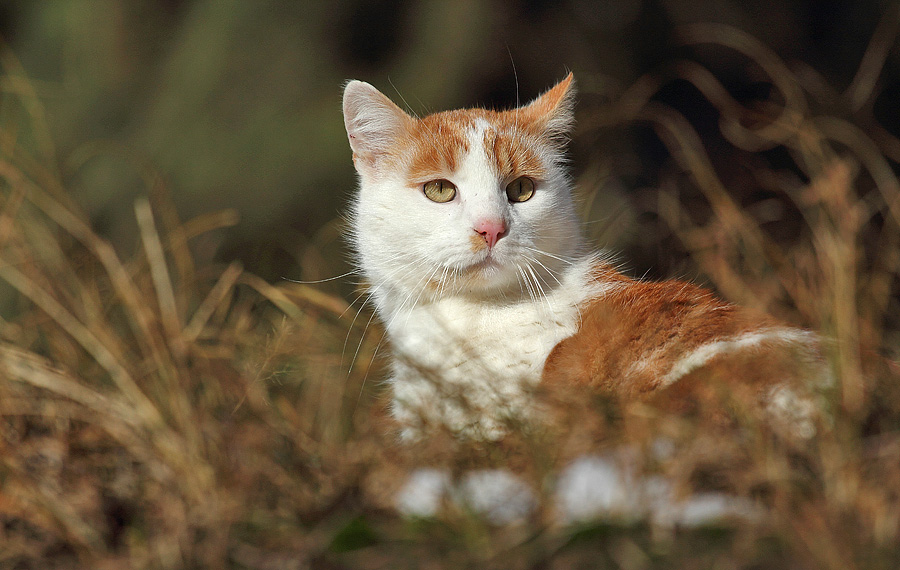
362	337
568	261
528	285
549	271
326	280
537	284
366	296
362	385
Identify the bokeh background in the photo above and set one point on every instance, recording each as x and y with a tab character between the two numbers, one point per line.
172	397
236	103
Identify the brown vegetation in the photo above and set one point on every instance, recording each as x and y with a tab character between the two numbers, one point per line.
159	410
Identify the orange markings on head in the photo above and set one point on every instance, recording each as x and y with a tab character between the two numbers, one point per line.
438	142
513	154
515	141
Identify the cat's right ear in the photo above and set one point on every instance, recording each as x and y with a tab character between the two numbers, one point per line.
373	123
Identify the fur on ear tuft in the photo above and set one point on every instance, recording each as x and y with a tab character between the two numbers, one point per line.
373	122
554	111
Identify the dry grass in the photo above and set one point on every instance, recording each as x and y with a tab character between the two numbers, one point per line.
158	410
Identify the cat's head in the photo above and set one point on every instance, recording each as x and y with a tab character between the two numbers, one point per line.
473	201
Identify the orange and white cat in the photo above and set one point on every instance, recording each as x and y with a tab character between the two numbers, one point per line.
466	231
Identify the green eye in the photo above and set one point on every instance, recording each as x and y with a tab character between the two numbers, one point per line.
520	189
439	191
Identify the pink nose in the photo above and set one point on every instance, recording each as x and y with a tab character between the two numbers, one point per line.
491	229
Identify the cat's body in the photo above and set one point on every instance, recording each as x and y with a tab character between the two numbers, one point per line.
465	229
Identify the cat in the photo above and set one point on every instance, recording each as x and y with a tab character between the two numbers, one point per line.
465	229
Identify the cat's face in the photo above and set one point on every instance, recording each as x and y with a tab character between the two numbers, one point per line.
462	202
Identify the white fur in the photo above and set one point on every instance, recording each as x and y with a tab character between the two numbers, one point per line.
372	120
469	364
470	330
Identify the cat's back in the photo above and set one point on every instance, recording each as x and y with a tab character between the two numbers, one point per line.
677	343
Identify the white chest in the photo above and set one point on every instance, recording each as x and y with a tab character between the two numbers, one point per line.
470	366
467	343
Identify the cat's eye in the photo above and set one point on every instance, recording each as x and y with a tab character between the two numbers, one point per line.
439	190
520	189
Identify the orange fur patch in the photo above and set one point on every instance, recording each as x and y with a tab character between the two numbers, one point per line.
432	147
512	155
478	242
437	143
630	338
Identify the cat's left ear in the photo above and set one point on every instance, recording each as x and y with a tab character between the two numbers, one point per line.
554	111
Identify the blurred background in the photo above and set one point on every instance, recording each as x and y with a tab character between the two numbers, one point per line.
236	103
169	399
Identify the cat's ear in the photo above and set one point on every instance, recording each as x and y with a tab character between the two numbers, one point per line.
373	123
554	111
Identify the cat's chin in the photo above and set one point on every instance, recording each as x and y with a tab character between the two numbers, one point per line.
487	276
487	266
